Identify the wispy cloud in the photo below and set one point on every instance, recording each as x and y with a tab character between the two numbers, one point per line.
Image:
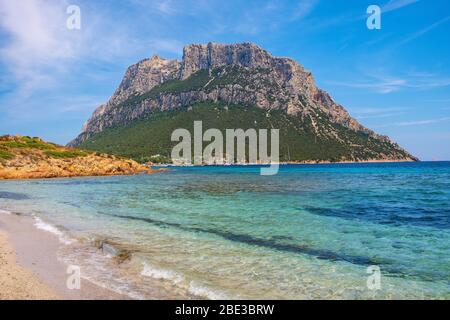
423	31
415	122
384	83
342	19
40	50
421	122
380	85
370	113
165	6
303	9
396	4
35	42
252	17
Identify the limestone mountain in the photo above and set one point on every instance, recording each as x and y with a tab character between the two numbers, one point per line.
230	86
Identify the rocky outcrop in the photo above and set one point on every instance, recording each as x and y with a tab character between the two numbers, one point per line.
144	75
247	55
32	158
237	74
139	78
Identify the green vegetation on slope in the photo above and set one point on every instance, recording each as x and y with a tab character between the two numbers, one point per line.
12	145
5	155
26	142
299	141
200	80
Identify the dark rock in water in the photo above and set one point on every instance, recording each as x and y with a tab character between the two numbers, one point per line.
109	249
106	248
120	255
13	195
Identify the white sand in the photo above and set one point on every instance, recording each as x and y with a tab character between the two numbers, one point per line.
29	268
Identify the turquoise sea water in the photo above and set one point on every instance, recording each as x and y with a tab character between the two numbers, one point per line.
226	232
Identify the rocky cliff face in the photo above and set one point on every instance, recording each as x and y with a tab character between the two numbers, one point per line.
236	74
139	78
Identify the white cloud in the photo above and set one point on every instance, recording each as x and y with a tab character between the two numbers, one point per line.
381	85
421	122
414	122
369	113
33	33
303	9
333	22
423	31
397	4
165	6
41	53
36	41
256	18
384	83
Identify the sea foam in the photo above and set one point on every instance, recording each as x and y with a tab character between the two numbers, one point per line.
157	273
5	212
193	288
205	292
40	224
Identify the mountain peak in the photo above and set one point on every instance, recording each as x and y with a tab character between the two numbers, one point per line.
239	74
212	55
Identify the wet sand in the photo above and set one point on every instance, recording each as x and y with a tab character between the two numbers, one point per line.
30	269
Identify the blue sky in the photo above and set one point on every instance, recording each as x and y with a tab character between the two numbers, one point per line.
396	80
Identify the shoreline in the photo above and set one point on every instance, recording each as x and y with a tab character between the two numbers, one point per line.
151	171
161	168
31	270
49	255
164	165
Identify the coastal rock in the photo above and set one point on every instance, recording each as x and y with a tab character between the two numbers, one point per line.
32	158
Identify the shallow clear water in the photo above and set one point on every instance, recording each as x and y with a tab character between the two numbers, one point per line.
226	232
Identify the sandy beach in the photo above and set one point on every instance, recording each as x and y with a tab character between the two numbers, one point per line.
30	269
17	283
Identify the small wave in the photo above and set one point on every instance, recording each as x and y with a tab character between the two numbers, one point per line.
51	229
193	288
5	212
119	288
205	292
157	273
95	271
